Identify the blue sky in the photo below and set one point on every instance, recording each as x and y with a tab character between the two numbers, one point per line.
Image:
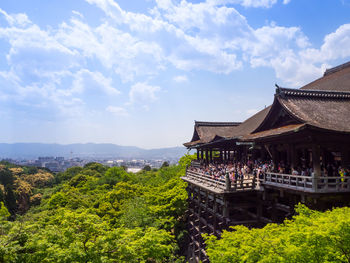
140	72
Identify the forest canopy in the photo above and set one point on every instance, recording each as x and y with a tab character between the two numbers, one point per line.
92	214
311	236
101	214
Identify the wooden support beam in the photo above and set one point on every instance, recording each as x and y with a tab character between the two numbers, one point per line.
345	155
316	165
293	156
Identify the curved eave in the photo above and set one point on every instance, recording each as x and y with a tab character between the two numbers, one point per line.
271	133
325	124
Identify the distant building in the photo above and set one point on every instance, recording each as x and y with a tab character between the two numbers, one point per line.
59	159
46	159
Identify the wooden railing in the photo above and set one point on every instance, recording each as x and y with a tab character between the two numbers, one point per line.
222	184
337	184
306	183
293	182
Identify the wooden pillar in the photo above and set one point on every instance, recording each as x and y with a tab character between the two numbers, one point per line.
202	154
316	165
307	156
274	155
211	155
206	156
221	156
225	209
227	182
197	154
274	210
199	208
215	208
345	156
293	157
206	205
259	207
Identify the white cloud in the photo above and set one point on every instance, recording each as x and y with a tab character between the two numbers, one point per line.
258	3
285	2
143	93
118	111
77	13
180	78
335	46
133	47
118	50
20	19
247	3
289	53
85	79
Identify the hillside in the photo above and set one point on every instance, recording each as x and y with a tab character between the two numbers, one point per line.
100	214
93	214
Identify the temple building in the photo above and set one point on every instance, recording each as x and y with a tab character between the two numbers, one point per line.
255	172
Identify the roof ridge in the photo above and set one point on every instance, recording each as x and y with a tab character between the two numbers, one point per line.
218	123
336	68
312	93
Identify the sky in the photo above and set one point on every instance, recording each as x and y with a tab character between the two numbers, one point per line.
139	72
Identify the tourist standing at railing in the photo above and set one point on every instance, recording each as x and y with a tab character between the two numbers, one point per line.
342	176
295	171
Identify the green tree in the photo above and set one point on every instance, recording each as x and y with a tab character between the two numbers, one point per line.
165	164
310	236
147	168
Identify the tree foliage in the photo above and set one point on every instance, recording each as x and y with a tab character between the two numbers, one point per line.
93	214
310	236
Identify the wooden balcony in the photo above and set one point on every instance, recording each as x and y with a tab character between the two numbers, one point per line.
306	183
220	185
276	180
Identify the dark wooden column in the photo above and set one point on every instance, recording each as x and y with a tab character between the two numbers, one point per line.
211	155
202	154
345	156
197	154
273	152
316	165
206	156
215	210
293	156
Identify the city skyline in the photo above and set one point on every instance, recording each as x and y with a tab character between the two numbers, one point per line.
140	73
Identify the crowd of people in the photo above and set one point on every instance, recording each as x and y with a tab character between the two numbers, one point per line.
235	170
240	170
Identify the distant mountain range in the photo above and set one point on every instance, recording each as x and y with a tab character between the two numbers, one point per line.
86	150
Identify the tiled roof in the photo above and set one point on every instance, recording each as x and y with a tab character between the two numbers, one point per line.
273	132
328	110
323	103
334	79
216	124
205	132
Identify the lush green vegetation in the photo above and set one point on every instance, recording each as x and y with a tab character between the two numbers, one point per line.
92	214
310	236
101	214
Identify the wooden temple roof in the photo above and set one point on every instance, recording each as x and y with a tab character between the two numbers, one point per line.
323	103
337	78
323	109
205	132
